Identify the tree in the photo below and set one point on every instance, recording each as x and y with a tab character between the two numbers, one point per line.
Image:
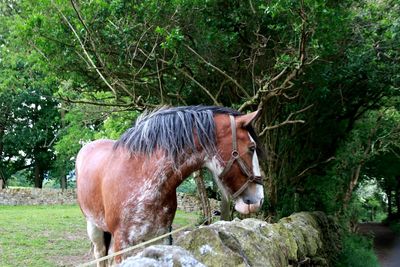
324	73
30	126
323	157
29	118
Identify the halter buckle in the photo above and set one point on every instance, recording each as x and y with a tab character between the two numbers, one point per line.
235	154
252	178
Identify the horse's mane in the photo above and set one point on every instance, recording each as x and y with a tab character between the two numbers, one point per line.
173	130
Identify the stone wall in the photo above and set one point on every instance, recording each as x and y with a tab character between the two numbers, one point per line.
47	196
303	239
36	196
191	203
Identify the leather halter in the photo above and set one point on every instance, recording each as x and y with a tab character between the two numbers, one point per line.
235	156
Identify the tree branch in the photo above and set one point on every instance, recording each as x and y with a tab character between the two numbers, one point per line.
89	33
218	69
196	82
287	121
84	50
267	91
133	105
301	174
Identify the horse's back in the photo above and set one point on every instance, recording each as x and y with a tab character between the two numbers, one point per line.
94	152
91	161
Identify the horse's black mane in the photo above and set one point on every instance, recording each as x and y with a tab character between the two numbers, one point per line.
171	129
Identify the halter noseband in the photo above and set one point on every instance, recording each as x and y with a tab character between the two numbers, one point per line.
235	156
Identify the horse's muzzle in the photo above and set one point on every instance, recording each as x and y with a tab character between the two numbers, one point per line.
245	208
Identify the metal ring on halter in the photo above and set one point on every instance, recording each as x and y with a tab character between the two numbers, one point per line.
235	154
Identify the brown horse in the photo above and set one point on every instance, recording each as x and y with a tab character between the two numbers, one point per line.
127	188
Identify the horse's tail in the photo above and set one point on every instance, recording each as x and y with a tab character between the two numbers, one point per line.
107	241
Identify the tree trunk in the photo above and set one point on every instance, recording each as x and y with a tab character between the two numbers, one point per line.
2	176
397	196
372	217
225	209
353	182
356	171
296	202
1	140
63	181
389	196
38	176
202	193
271	189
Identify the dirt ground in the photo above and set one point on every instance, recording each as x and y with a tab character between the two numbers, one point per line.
386	243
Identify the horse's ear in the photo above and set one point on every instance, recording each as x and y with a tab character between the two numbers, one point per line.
246	120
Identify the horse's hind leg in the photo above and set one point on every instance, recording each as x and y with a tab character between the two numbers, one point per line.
97	235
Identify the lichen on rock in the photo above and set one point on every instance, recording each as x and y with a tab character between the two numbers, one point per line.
206	244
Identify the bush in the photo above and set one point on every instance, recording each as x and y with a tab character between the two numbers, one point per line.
357	251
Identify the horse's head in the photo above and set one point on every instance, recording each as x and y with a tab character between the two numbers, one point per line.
237	166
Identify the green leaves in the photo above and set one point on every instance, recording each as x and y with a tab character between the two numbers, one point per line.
172	39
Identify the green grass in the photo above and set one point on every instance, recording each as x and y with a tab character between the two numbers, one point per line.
50	235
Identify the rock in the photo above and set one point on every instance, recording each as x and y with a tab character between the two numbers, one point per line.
237	243
139	262
162	256
302	237
259	243
305	231
208	247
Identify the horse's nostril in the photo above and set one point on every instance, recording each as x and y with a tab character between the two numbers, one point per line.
247	201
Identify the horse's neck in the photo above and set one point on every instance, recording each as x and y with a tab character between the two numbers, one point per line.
176	175
191	164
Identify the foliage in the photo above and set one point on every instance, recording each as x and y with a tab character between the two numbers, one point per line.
188	186
357	251
395	227
369	201
29	121
19	179
326	187
326	75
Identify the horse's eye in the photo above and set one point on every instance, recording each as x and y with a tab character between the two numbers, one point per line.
252	148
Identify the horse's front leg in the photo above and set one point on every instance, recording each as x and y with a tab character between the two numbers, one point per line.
119	244
122	240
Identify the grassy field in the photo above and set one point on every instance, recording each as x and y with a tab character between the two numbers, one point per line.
49	235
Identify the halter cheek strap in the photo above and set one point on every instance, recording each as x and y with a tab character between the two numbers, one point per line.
235	156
